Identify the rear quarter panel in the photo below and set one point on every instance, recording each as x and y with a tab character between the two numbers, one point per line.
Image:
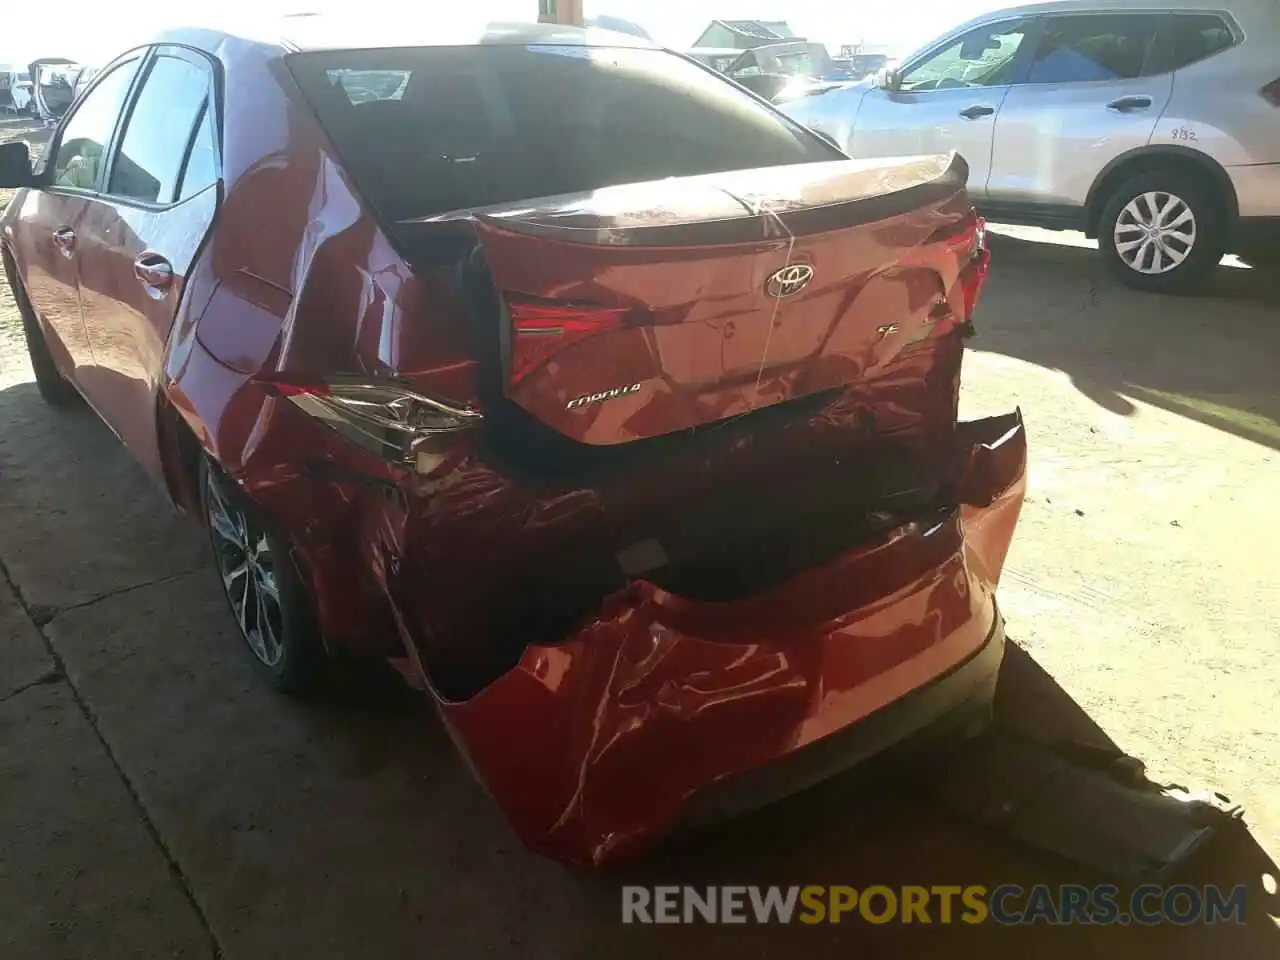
1216	106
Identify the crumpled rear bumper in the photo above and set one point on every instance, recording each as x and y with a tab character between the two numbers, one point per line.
596	746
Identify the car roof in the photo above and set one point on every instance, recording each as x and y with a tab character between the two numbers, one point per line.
320	32
1116	6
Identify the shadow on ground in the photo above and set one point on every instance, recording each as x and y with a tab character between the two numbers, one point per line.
1208	357
352	828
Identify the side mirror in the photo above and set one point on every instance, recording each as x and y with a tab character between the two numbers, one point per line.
889	79
15	165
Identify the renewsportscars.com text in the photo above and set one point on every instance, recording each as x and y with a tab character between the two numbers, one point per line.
1007	904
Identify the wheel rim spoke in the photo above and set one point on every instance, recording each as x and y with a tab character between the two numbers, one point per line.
234	574
1180	219
242	607
220	518
267	584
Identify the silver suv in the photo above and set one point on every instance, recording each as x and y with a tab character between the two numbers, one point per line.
1152	125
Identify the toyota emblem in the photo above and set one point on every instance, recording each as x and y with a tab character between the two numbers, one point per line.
789	281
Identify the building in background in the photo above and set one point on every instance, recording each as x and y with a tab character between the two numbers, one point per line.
744	34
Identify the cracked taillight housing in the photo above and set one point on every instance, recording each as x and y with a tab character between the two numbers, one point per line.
973	275
385	417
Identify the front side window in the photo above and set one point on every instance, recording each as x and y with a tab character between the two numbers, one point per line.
150	160
1093	47
493	124
83	143
984	57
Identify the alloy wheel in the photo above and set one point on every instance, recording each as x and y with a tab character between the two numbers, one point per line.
247	568
1155	232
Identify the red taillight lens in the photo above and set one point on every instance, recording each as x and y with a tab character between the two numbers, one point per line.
975	261
540	329
972	279
385	417
1271	92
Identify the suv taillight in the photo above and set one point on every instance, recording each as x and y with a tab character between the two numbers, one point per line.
1271	92
384	417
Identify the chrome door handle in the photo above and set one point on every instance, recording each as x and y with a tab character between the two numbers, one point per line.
64	238
976	111
1129	104
155	273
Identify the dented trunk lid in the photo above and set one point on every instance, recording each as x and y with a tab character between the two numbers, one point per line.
638	311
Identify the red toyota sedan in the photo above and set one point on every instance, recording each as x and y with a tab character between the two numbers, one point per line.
613	408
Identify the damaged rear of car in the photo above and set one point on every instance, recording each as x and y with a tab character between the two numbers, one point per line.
614	408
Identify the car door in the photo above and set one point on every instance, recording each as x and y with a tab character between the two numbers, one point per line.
1090	93
46	237
946	99
139	237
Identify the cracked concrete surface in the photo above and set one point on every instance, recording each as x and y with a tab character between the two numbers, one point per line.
156	800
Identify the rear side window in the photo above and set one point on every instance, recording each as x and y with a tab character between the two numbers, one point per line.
1192	37
427	130
1093	47
202	164
149	164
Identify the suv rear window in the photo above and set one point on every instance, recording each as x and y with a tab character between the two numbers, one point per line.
427	130
1195	36
1083	48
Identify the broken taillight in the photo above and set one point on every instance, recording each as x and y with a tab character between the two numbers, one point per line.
975	260
542	328
385	417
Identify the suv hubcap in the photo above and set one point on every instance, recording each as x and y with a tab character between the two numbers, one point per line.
1155	232
247	569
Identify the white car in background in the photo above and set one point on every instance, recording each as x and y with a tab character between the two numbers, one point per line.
1151	125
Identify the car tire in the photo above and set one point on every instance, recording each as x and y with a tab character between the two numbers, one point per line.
1163	232
256	568
54	388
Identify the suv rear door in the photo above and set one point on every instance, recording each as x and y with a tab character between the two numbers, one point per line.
1090	93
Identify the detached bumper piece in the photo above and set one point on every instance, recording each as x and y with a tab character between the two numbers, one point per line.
1090	806
664	709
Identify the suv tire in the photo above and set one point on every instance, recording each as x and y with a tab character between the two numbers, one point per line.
1162	231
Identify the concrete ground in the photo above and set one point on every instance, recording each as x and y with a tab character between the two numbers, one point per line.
156	800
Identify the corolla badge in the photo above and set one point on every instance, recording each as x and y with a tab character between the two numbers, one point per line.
594	398
788	281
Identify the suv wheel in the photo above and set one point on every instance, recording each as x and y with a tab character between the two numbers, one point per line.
1162	232
268	601
53	386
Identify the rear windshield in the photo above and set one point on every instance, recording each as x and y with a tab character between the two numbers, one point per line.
428	130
